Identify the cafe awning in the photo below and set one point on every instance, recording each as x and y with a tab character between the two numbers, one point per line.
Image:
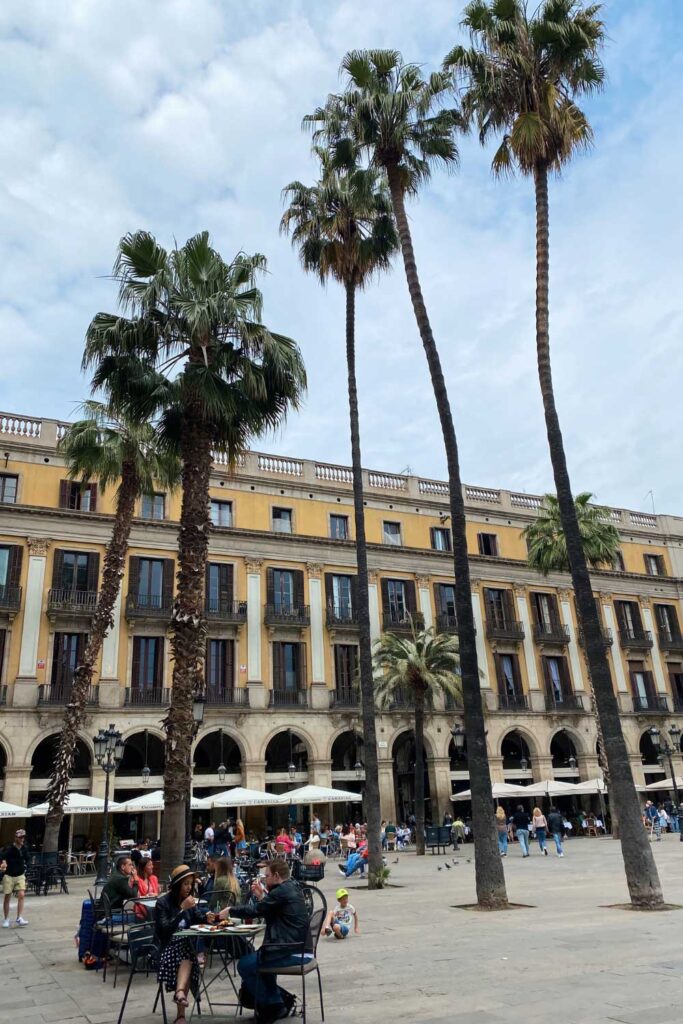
500	790
153	801
241	797
77	803
14	811
321	795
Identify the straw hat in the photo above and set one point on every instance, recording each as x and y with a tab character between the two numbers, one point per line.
180	873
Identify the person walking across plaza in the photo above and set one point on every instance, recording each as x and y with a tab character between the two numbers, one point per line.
652	818
521	822
502	830
556	827
14	862
540	828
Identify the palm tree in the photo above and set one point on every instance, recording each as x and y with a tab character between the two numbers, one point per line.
523	78
344	230
220	378
116	451
391	113
418	668
547	545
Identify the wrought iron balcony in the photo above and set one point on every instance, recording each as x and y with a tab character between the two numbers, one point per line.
607	637
342	615
502	629
153	698
635	639
513	702
73	602
60	694
446	622
567	702
232	697
658	704
287	615
401	700
670	641
345	697
395	622
288	699
221	610
551	633
10	598
148	606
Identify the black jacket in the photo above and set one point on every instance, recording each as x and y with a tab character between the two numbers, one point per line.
284	911
168	917
520	819
17	858
555	822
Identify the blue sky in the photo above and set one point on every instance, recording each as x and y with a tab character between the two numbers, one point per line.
180	115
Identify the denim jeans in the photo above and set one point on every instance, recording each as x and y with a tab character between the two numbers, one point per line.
523	837
540	835
673	821
557	836
503	842
263	988
353	863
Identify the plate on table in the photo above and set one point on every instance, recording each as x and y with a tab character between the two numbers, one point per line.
245	927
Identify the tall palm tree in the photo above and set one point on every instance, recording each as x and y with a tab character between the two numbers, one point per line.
523	78
220	378
418	667
116	450
390	113
547	544
344	229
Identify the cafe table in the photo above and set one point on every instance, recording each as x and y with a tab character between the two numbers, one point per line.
225	953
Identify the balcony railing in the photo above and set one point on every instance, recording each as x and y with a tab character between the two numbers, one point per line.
235	697
655	705
513	702
342	615
678	704
452	703
345	697
287	615
60	694
551	633
288	699
670	641
395	622
636	639
220	610
504	630
148	606
401	700
607	637
154	698
75	602
446	622
10	598
567	702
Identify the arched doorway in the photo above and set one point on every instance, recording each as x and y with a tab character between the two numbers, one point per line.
652	767
141	750
516	755
286	768
459	767
217	763
564	759
348	769
41	768
403	754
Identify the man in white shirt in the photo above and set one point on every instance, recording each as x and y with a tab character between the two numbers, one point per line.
209	836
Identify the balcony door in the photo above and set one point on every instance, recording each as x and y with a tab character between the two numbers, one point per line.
557	679
498	607
628	614
641	684
667	621
345	662
545	612
220	666
150	587
283	591
219	578
147	671
509	680
288	661
68	651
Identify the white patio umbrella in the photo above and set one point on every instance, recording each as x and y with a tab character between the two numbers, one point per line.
591	786
241	797
665	784
13	811
551	787
153	801
498	789
321	795
76	803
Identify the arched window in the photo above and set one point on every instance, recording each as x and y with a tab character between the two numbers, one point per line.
284	749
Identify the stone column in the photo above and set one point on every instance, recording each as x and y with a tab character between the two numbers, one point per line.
496	768
608	616
373	598
482	660
660	678
589	766
542	766
440	787
424	600
319	695
254	667
574	659
16	786
254	775
528	642
387	797
320	773
25	686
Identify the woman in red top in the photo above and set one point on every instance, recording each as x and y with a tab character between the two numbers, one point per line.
148	885
283	843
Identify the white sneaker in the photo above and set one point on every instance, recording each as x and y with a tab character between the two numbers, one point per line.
5	923
21	922
560	855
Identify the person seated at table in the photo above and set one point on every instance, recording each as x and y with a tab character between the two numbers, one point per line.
296	838
278	900
283	843
356	861
148	885
122	885
178	963
207	881
226	887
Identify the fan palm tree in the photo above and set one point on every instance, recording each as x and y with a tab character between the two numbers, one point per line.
418	667
390	113
344	229
547	544
219	378
523	78
119	451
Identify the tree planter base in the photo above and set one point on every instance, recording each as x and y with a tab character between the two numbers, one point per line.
645	909
493	910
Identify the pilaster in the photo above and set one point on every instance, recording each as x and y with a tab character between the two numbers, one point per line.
482	660
110	648
254	668
315	601
424	600
657	669
528	642
622	686
574	659
33	607
373	600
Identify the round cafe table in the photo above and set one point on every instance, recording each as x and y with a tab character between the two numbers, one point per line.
225	953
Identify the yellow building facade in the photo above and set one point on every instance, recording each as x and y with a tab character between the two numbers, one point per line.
283	633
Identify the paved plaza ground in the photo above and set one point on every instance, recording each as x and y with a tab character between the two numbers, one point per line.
418	958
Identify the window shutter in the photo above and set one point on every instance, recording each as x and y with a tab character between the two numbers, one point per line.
93	497
57	569
93	571
16	554
135	669
63	493
565	677
432	535
354	595
159	652
329	590
229	665
298	588
507	606
270	587
502	688
516	674
438	602
301	666
80	647
338	667
278	683
227	582
167	585
385	595
56	661
133	574
3	634
411	600
546	676
637	621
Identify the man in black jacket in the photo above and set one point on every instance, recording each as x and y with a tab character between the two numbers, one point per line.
14	861
521	821
279	902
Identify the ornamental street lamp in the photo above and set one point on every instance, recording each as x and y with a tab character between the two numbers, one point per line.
221	765
663	750
108	746
146	771
291	767
458	734
198	701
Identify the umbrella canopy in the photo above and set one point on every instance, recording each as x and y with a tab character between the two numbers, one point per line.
591	786
240	797
77	803
498	789
153	801
14	811
551	787
665	784
321	795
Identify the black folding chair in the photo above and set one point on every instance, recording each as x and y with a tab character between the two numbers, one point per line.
143	953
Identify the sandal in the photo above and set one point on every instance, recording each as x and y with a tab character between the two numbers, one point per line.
180	999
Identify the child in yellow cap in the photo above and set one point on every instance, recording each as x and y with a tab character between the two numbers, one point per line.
338	921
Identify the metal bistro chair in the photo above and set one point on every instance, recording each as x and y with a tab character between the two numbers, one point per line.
317	905
144	959
116	932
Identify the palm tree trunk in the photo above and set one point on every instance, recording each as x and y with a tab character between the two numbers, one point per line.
419	772
372	799
188	632
102	622
641	872
490	878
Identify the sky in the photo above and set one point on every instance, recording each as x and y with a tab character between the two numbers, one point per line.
178	116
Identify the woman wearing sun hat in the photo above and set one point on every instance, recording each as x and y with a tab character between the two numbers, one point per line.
178	964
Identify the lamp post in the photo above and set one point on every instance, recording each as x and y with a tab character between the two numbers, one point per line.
146	771
665	751
108	753
197	719
221	765
291	767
